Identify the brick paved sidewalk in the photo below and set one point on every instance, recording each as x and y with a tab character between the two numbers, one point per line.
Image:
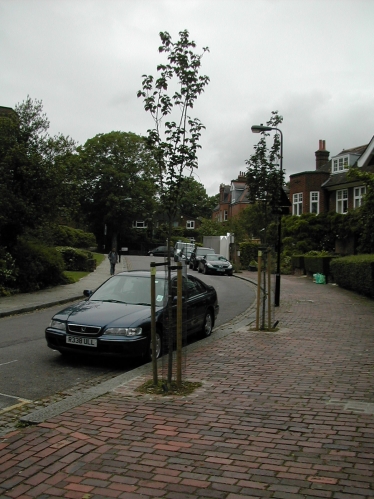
280	415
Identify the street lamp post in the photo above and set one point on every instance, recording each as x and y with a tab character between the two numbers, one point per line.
259	129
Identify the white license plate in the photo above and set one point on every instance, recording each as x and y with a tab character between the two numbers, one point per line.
78	340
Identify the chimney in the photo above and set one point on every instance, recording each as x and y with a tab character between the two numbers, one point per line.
322	156
242	177
221	192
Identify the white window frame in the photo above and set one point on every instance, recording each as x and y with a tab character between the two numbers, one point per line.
314	202
342	201
340	164
139	224
358	195
297	204
190	224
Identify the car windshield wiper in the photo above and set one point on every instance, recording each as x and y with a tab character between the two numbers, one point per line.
141	303
111	301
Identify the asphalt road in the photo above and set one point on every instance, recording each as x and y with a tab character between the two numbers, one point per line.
30	370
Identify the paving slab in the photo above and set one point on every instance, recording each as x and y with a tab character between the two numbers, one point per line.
283	414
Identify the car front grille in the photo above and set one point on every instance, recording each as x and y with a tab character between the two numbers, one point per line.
83	329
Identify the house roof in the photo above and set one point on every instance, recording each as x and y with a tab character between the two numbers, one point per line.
239	192
341	179
367	156
354	150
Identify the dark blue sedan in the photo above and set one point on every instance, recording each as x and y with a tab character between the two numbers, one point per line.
116	318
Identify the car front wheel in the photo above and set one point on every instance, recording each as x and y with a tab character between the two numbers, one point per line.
158	347
208	325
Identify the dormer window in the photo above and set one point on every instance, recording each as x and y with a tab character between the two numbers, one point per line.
340	164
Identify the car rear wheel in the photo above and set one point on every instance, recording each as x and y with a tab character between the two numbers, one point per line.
208	325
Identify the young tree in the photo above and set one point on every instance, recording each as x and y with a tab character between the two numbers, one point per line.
175	136
265	176
365	214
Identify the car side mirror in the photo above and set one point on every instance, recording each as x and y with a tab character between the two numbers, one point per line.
87	292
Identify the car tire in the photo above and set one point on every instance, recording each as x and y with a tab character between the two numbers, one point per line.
158	347
208	325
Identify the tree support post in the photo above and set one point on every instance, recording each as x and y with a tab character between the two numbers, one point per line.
179	323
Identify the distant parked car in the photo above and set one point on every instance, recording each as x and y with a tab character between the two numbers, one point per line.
115	319
161	251
215	264
197	254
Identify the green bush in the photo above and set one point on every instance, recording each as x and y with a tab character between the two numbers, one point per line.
38	266
355	273
248	251
77	259
67	236
8	272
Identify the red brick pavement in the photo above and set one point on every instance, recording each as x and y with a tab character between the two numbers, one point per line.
288	414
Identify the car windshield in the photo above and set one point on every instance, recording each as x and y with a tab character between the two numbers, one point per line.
130	289
215	258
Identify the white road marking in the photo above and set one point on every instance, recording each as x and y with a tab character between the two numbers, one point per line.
5	363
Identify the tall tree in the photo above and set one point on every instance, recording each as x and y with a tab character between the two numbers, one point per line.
194	200
118	187
32	169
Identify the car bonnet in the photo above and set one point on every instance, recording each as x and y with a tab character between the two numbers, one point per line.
102	314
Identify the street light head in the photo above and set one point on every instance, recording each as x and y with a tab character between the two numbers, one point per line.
261	128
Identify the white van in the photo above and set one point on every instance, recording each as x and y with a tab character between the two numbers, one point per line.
178	246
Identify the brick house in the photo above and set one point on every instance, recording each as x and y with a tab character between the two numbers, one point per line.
233	199
327	188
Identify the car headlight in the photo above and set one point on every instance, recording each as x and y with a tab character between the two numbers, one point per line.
123	331
229	266
57	325
209	265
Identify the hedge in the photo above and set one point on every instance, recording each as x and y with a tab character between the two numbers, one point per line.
355	273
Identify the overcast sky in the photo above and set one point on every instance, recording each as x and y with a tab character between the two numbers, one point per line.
312	60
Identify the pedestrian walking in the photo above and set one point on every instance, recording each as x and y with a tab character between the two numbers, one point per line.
113	259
